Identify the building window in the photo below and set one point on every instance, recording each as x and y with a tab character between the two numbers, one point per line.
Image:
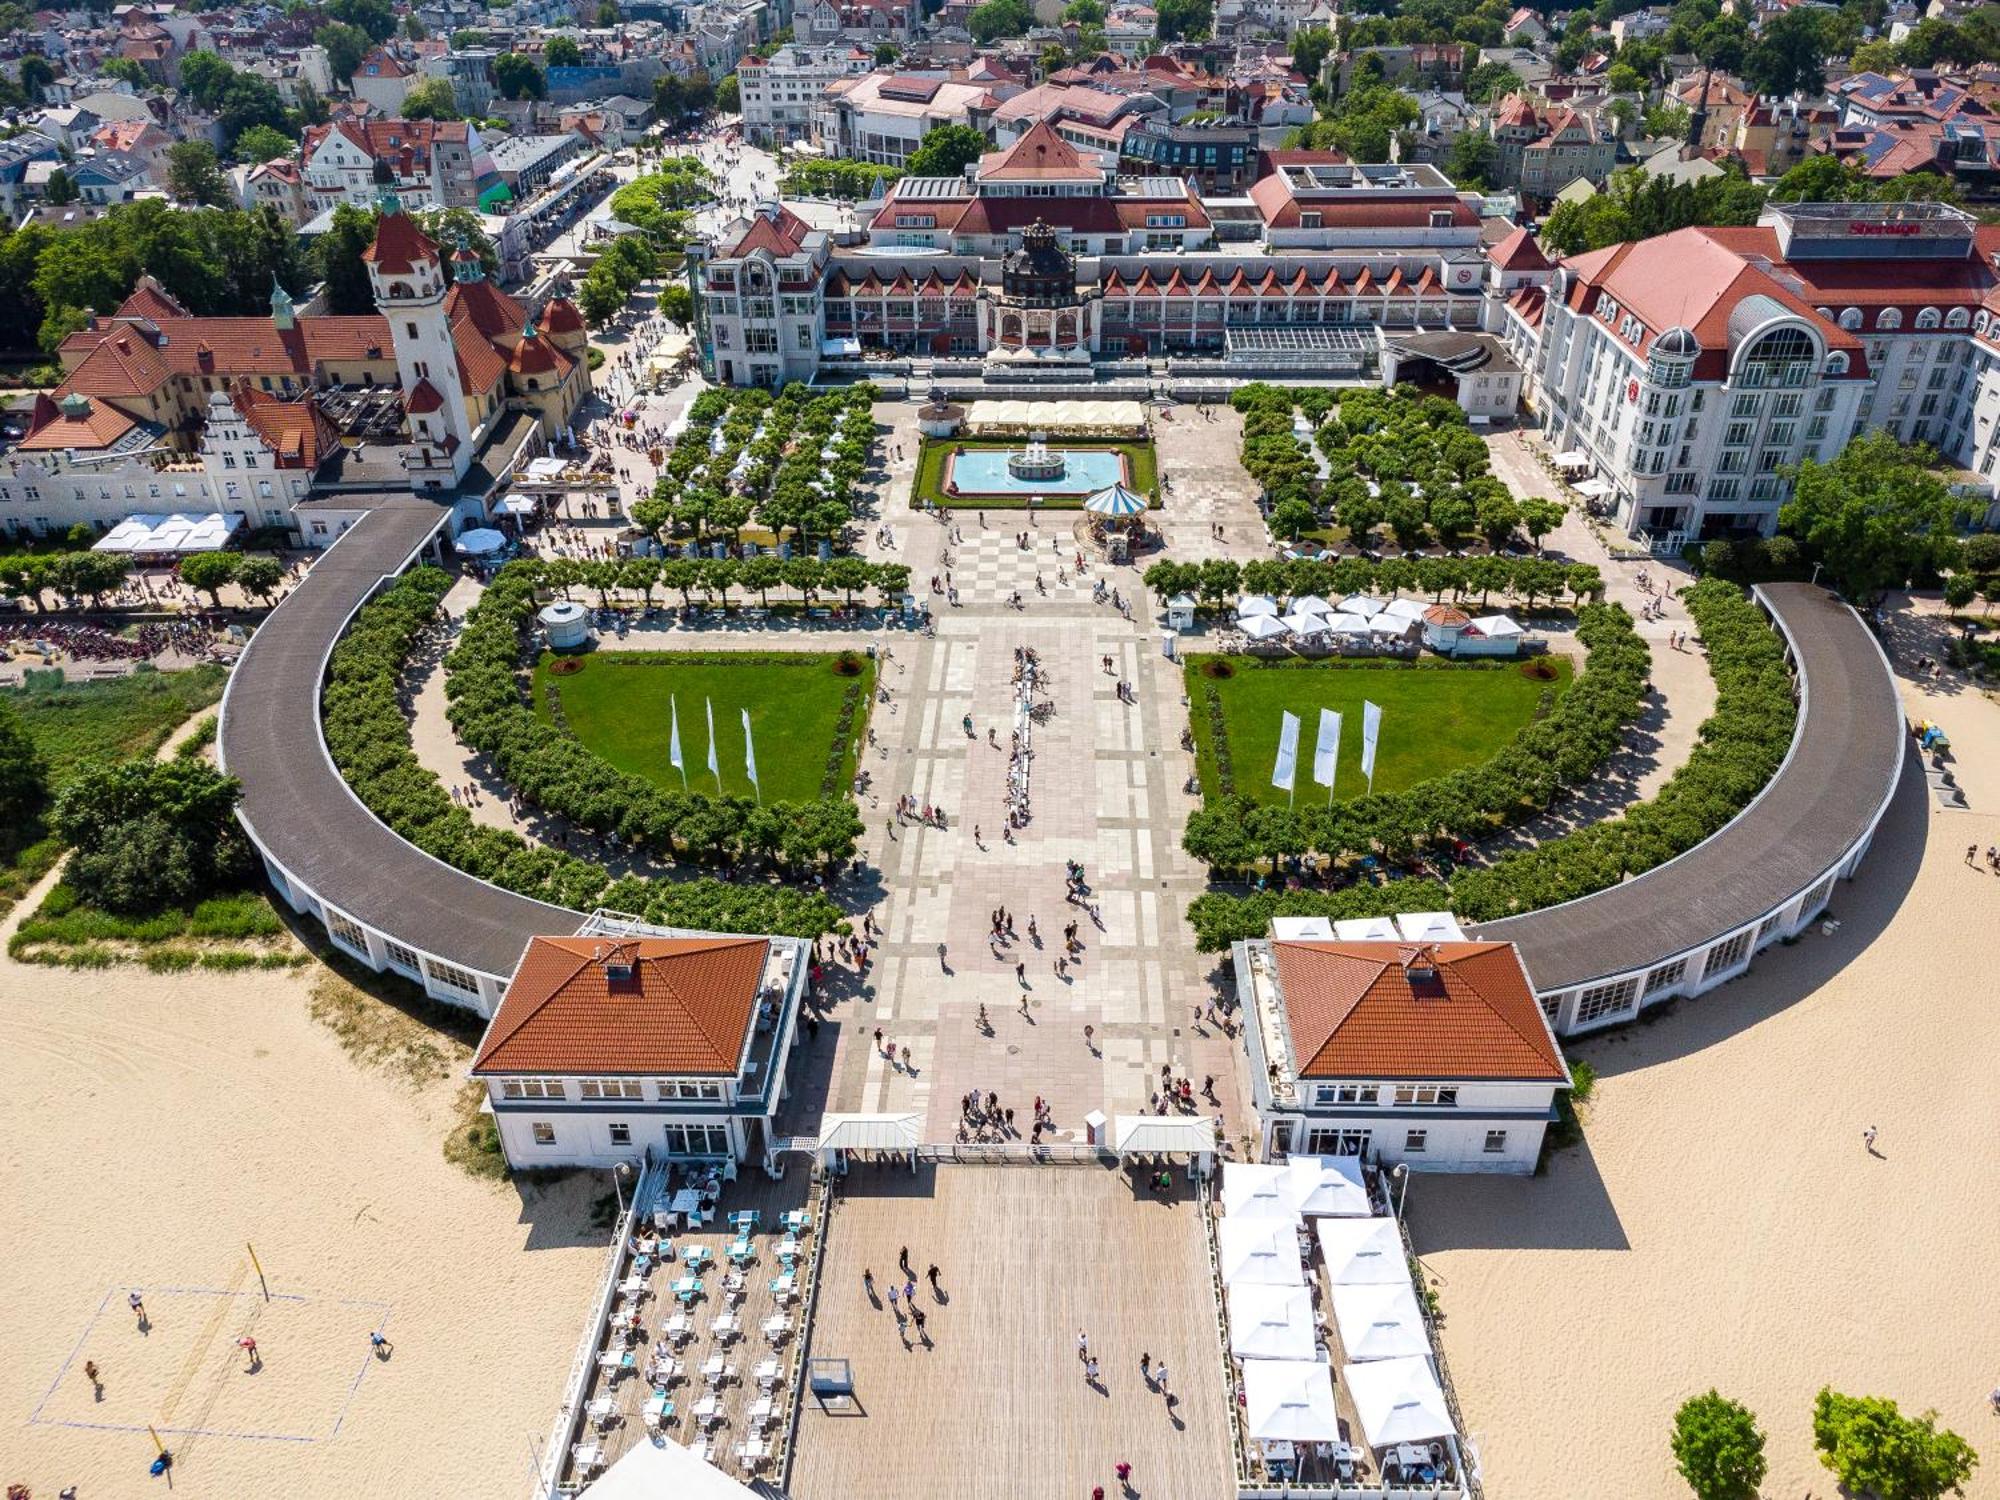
1426	1094
1727	955
347	931
687	1090
697	1140
1496	1142
1602	1000
401	956
451	977
1416	1142
621	1134
612	1088
532	1088
545	1133
1666	975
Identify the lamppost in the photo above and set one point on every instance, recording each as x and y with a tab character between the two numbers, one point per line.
1815	575
1400	1175
619	1172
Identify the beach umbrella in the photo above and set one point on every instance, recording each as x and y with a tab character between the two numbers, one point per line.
1263	627
1362	1252
1271	1322
1311	604
1346	625
1256	604
1398	1401
1263	1252
1289	1400
479	542
1379	1320
1304	622
1115	500
1361	604
1327	1185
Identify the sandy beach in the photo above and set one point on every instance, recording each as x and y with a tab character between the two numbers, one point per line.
1724	1224
156	1126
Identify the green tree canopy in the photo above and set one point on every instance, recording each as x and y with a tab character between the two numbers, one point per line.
946	151
1876	515
1873	1449
1718	1448
517	77
376	17
36	74
194	176
150	835
997	20
261	143
1185	20
1789	55
345	47
562	52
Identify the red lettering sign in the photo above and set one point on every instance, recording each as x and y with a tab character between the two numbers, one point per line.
1858	228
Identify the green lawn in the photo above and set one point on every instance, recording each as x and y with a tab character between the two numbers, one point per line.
1436	717
1140	464
76	724
619	705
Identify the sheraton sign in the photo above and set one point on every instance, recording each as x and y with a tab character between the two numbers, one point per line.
1860	227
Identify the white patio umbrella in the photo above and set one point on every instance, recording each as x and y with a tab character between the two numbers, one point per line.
1346	625
1398	1401
1255	604
1362	1252
1361	604
1327	1185
1261	1252
1304	622
1312	604
1379	1320
1271	1322
479	541
1263	627
1257	1190
1115	500
1289	1400
1496	627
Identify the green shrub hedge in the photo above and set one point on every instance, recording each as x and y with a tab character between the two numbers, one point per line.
370	743
1562	749
1740	747
561	774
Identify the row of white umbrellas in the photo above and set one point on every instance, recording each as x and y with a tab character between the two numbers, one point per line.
1288	1383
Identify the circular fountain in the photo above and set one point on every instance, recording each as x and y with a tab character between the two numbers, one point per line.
1035	463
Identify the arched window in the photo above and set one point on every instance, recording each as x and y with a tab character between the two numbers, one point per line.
1888	318
1825	312
1836	364
1958	317
1929	317
1850	318
1980	323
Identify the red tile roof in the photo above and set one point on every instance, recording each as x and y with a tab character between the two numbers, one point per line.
150	300
298	433
398	245
1039	154
495	314
1519	252
686	1008
1367	1010
99	426
560	315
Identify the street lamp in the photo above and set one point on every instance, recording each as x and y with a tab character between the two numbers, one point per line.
1815	575
619	1172
1400	1175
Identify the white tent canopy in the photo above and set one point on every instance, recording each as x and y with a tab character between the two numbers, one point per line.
1257	1190
1304	622
1398	1401
1574	458
1362	1252
1430	927
870	1132
150	534
1289	1400
479	541
1263	1252
1263	627
1302	929
1593	487
1271	1322
1163	1135
1327	1185
1311	604
1345	624
1497	627
1117	418
1255	604
1379	1320
1409	611
658	1467
1361	604
1367	930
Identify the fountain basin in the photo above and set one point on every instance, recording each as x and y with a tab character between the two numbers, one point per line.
990	471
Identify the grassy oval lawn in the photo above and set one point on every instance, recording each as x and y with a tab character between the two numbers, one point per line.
620	705
1436	716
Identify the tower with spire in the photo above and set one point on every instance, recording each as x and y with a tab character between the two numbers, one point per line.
407	277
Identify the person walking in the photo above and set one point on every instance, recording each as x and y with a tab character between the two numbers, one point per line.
378	1343
1082	1344
868	1280
138	1305
1090	1371
1160	1380
917	1317
903	1260
90	1374
931	1276
895	1304
1868	1140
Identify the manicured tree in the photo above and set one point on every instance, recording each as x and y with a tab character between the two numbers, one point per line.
762	573
1875	515
260	576
1960	590
1873	1449
1539	518
1718	1448
209	571
23	773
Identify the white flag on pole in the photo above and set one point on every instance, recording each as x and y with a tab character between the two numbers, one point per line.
1371	726
674	742
1327	753
714	766
1286	771
750	755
